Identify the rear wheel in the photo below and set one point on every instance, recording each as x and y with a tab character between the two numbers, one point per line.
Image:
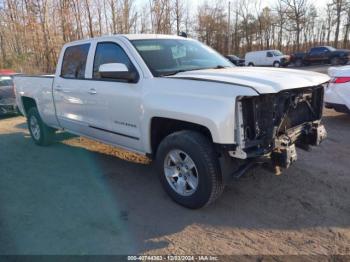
298	63
189	169
41	133
250	64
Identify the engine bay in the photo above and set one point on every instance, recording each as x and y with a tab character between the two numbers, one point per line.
267	117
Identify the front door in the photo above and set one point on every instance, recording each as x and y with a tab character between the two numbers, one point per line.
113	107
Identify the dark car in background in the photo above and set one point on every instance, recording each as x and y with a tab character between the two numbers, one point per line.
321	55
7	93
235	60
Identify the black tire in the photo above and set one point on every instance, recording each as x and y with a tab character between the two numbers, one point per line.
335	61
344	62
276	64
46	133
298	63
250	64
201	151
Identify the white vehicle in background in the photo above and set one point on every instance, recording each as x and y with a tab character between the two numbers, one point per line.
337	95
273	58
203	120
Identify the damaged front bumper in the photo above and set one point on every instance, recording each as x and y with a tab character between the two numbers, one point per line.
284	153
280	157
270	127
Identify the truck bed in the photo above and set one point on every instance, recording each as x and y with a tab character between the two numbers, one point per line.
40	88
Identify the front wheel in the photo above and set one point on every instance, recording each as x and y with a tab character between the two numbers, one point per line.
39	131
344	62
335	61
276	64
189	169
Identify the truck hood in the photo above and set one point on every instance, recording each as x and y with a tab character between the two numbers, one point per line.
262	79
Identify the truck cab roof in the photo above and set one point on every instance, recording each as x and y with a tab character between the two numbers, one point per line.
130	37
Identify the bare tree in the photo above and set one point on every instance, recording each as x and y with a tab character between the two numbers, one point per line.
338	6
347	26
281	18
33	31
296	12
178	14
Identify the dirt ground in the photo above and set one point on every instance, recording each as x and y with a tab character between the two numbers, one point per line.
78	197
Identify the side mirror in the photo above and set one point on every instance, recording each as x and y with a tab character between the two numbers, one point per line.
117	71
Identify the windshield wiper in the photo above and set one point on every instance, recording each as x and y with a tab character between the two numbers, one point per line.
175	72
194	69
220	67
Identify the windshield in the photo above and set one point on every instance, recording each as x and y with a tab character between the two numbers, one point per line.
6	81
171	56
331	48
277	53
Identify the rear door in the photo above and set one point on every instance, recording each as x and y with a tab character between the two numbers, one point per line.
69	88
256	58
324	54
314	55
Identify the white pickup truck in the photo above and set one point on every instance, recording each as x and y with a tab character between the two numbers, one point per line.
176	100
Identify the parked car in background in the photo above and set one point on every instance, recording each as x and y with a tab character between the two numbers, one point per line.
235	60
321	55
273	58
203	120
7	93
337	95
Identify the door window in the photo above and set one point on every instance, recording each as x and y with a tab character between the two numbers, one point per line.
315	51
110	53
74	61
269	54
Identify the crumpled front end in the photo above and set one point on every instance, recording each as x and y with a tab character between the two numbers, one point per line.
270	126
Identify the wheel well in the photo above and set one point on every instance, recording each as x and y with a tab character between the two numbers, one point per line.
162	127
28	103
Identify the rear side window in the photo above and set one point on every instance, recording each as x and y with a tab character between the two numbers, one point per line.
74	61
110	53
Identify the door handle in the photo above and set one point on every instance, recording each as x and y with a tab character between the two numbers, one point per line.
58	88
92	91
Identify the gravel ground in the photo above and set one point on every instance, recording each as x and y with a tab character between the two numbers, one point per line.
80	197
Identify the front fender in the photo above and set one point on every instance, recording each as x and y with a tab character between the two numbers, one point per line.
213	111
